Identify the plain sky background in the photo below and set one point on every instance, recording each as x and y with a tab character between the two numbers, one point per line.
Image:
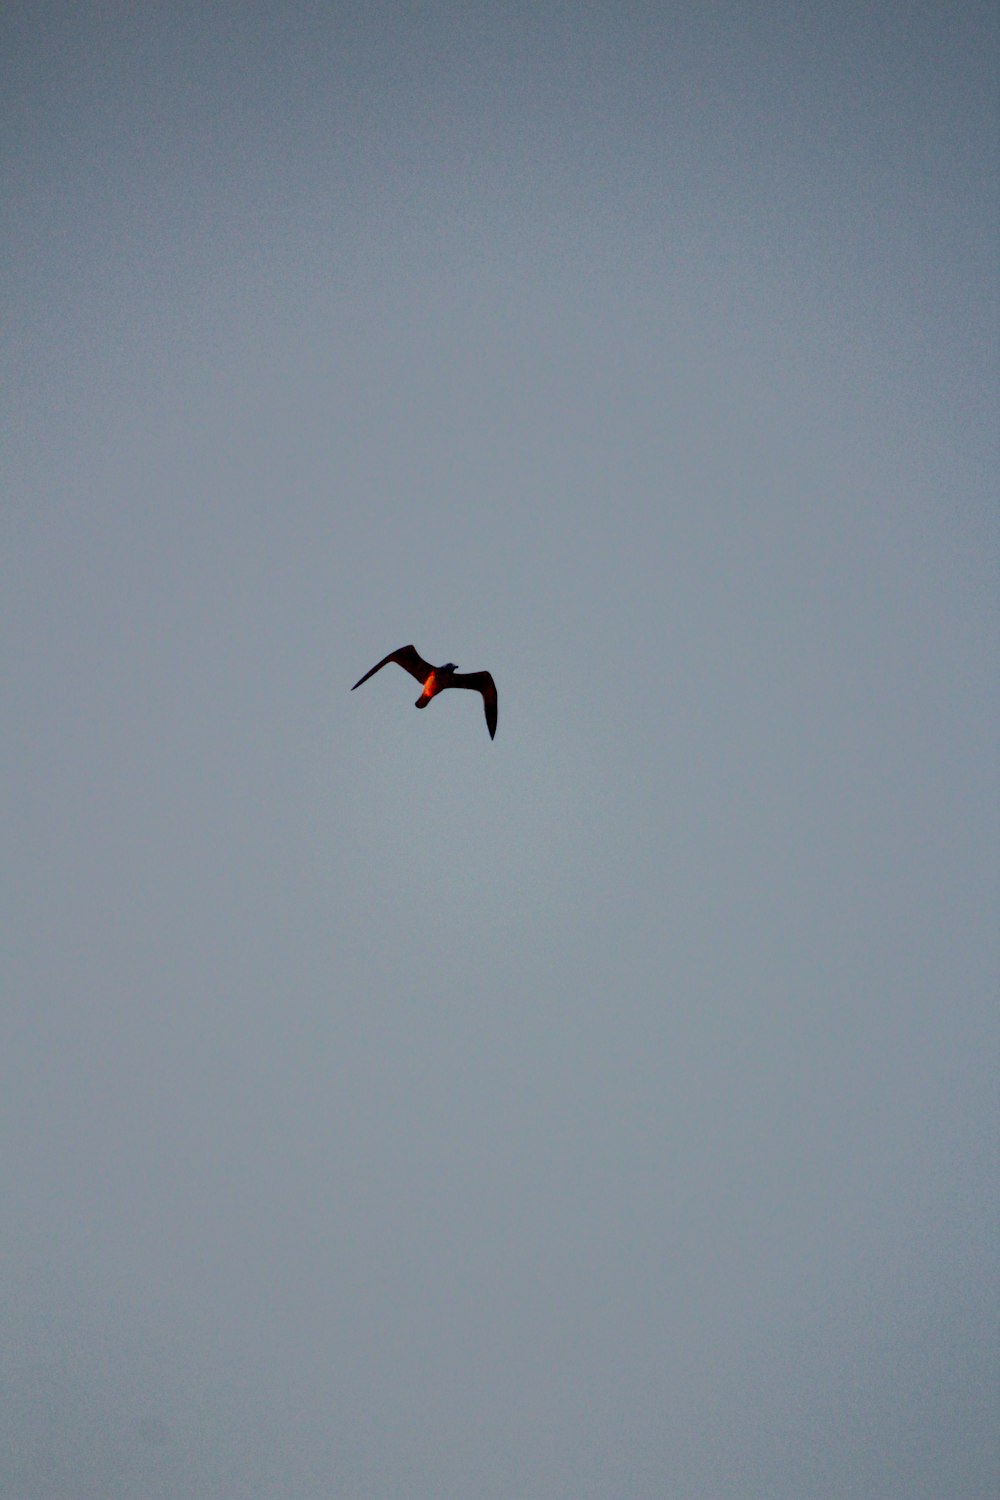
604	1113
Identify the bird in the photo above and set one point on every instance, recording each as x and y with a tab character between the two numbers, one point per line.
434	680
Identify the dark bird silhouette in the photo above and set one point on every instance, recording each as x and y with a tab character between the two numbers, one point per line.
434	680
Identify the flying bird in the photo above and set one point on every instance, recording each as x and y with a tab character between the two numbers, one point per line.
434	680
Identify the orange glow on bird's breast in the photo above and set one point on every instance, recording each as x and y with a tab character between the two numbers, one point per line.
430	686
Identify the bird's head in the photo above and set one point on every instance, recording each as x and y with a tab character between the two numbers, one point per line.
449	667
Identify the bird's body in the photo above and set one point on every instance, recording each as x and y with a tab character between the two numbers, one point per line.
434	680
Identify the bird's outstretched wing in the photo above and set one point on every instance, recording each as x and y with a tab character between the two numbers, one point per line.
480	682
407	657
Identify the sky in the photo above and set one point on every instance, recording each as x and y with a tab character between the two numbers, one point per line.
607	1110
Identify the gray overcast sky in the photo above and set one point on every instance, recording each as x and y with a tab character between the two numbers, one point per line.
607	1112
